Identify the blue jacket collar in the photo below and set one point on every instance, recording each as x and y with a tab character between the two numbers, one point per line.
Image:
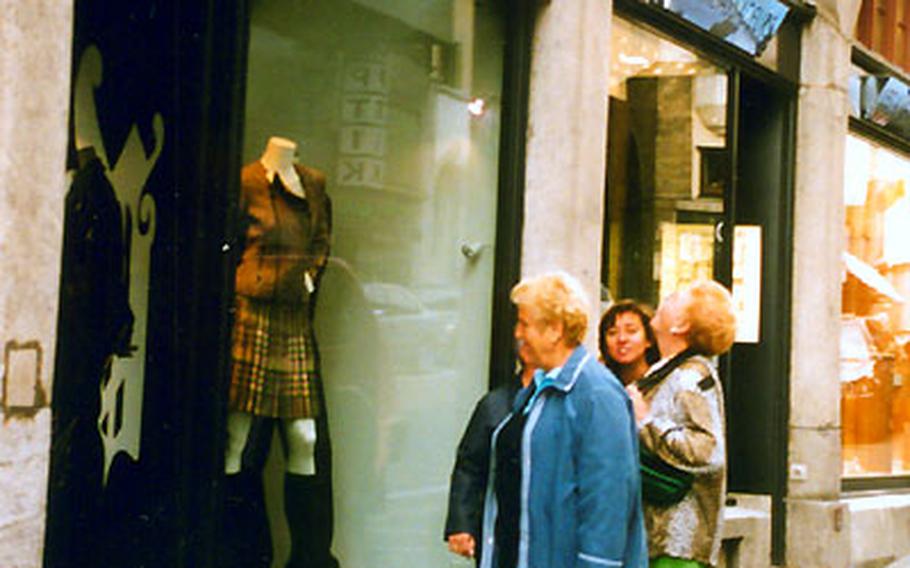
568	376
563	382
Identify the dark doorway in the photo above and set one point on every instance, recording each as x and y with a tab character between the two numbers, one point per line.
699	185
757	394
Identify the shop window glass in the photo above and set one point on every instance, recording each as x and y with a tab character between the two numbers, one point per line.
668	166
875	331
377	248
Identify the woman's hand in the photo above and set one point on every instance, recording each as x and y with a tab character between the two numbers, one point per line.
462	543
639	405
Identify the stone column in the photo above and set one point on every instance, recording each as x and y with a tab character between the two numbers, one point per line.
566	146
817	531
35	43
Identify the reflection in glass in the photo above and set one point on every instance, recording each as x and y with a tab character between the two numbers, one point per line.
747	25
875	331
668	165
397	105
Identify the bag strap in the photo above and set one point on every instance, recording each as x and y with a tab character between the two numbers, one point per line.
707	381
652	380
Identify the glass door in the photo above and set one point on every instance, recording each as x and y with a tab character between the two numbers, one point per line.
668	166
699	185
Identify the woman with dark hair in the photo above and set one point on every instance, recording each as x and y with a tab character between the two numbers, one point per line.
627	343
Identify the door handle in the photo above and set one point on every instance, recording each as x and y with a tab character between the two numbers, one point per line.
471	249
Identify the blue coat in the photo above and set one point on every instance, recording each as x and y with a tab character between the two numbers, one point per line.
580	491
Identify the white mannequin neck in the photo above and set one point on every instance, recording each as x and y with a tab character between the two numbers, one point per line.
278	157
279	154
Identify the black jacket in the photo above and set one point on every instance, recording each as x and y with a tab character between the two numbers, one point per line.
472	462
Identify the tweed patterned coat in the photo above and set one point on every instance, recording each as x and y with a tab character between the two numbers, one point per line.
685	428
286	246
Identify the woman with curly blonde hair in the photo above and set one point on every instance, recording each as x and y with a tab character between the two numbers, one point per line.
563	489
680	413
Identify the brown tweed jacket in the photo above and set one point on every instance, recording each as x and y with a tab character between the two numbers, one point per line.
286	237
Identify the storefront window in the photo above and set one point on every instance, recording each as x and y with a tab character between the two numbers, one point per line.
364	287
668	166
875	332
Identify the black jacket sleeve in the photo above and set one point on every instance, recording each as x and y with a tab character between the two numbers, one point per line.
472	464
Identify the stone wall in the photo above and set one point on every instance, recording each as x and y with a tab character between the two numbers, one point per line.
566	148
818	523
35	43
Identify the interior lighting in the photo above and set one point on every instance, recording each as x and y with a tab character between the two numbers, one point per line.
477	106
634	60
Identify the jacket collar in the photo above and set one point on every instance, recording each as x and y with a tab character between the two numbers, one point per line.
571	369
662	369
563	382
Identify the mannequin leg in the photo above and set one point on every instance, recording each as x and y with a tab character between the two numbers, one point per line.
301	442
246	538
308	496
238	427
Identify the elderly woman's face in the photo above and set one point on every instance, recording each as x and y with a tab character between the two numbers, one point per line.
533	335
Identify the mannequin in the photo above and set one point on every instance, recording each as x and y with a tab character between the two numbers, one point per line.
278	158
274	373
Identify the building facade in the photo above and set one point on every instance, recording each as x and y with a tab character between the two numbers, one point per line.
33	117
637	145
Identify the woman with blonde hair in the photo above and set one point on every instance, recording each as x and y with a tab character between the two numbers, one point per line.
680	413
564	488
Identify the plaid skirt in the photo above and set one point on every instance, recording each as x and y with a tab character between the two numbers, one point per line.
273	360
